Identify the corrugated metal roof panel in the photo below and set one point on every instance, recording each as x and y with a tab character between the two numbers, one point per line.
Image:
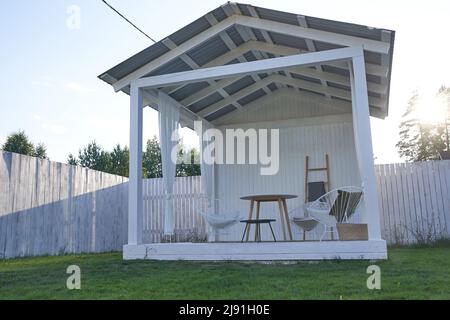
239	85
135	62
322	46
252	97
372	57
234	61
374	94
339	71
349	29
340	99
272	87
189	31
374	79
188	90
278	16
302	77
250	56
219	14
221	113
244	9
208	51
258	35
176	65
287	40
338	86
235	36
205	102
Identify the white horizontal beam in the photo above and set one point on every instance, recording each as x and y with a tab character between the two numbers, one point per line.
280	50
314	34
268	65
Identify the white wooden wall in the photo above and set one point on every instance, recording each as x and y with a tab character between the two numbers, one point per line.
313	137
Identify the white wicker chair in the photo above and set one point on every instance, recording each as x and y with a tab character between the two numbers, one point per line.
336	206
217	213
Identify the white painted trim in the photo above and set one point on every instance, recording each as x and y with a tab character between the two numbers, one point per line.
265	251
135	182
268	65
314	34
363	145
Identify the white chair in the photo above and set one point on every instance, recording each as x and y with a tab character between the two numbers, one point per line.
305	223
336	206
217	213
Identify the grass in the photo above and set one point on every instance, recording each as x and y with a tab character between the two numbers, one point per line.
410	273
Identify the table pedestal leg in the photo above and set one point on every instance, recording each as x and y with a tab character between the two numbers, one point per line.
250	214
257	218
280	207
287	218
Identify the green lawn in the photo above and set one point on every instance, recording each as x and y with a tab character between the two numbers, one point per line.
410	273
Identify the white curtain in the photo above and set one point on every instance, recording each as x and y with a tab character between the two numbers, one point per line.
206	162
169	117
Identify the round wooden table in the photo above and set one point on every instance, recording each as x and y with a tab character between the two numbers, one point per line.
281	200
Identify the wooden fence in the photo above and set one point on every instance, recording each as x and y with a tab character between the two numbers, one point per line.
414	201
49	208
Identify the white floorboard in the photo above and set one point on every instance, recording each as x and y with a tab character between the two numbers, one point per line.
266	251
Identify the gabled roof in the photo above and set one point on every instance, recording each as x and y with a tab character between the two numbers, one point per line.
245	39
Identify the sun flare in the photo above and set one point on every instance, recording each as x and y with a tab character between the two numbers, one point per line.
432	109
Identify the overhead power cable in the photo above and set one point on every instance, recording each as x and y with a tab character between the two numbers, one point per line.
127	20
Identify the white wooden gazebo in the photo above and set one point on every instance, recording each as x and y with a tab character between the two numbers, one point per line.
240	66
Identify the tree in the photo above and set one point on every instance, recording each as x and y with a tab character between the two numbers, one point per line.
151	161
41	151
421	140
188	163
19	142
93	157
72	160
120	161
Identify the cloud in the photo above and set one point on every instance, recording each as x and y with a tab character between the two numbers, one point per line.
2	140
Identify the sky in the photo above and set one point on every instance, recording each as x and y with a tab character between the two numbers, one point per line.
49	85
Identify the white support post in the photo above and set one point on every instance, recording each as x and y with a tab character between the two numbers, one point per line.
135	182
363	145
